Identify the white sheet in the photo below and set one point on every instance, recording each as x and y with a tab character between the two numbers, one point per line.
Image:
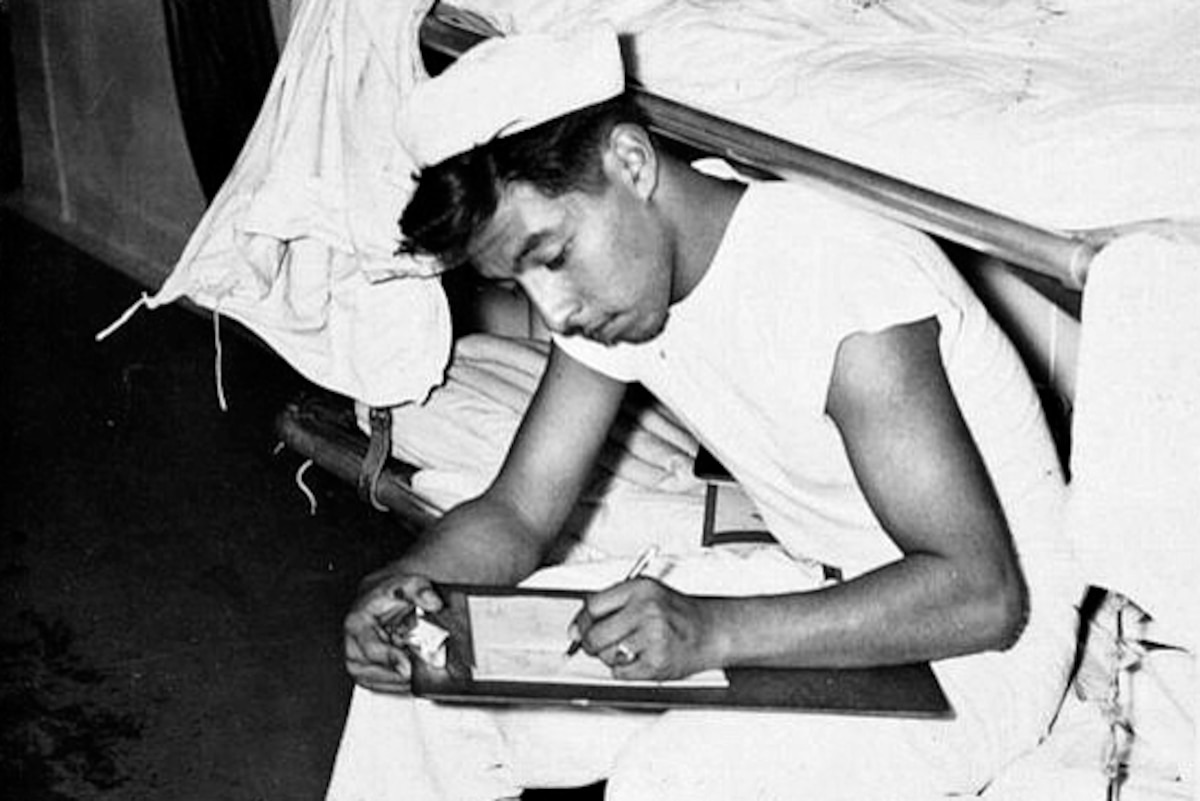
1134	509
1063	113
643	490
299	243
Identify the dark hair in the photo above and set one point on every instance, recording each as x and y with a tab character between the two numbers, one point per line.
456	198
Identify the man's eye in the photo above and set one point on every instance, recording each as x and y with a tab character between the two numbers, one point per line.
557	262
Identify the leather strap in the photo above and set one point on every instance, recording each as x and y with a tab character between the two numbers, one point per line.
378	451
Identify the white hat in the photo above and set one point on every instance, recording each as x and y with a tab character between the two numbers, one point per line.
508	84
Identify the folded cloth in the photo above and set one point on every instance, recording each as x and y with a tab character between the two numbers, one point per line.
1134	507
299	244
465	427
643	487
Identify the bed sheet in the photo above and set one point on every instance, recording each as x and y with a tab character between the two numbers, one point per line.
1063	113
299	245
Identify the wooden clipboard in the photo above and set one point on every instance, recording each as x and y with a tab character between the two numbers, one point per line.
901	691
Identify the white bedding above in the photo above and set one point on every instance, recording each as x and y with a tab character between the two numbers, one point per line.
1062	113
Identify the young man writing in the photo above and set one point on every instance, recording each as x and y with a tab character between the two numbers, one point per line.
832	360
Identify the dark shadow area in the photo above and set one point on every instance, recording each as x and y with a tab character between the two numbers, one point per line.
171	617
10	135
223	55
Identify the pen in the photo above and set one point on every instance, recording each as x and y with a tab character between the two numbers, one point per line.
639	566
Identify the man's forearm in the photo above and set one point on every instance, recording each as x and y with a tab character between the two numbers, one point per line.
479	542
912	610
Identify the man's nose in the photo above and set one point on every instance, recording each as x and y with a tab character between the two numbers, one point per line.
554	300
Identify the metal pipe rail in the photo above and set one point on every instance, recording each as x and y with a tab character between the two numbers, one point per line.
1062	256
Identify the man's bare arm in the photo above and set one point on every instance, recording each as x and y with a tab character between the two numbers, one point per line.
957	589
498	538
502	536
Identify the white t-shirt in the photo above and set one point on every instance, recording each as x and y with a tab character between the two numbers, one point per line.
745	361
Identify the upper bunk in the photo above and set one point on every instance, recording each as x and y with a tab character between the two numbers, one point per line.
1031	130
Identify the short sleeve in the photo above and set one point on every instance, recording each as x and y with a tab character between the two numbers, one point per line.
614	361
870	276
892	280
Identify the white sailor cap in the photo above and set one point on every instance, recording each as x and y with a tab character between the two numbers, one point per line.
508	84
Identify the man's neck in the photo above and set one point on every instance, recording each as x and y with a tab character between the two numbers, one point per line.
699	208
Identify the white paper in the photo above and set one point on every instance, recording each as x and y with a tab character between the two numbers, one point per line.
524	638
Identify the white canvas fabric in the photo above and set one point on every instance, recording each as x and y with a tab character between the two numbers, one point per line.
299	245
1061	113
510	84
1134	508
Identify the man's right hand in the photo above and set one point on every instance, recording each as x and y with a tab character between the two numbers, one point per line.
375	655
502	536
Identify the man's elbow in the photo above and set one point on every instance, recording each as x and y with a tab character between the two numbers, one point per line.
1005	609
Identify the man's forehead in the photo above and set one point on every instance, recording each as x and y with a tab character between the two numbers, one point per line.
523	220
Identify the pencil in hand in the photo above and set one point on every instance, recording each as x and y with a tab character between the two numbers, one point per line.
638	568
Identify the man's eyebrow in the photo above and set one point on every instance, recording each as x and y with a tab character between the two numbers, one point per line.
531	243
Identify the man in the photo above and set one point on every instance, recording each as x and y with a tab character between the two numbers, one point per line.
832	360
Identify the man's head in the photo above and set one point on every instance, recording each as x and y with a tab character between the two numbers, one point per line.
456	198
553	195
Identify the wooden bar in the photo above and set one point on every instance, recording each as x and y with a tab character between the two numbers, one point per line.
1062	256
318	428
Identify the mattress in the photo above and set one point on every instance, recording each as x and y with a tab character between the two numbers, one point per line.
1062	113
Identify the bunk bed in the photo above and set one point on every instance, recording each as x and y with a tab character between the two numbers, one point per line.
1035	138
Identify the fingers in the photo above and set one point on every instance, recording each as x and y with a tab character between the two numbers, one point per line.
605	602
621	655
372	655
376	663
638	657
375	627
381	679
643	629
419	590
614	615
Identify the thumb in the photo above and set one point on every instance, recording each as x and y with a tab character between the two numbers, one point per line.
419	591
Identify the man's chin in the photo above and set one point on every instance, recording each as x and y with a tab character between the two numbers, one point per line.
648	332
631	335
637	338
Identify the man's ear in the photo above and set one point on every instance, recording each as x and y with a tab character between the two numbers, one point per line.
631	159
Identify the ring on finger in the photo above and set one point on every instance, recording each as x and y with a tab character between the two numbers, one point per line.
625	654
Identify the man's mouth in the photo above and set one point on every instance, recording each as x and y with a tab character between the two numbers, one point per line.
602	332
